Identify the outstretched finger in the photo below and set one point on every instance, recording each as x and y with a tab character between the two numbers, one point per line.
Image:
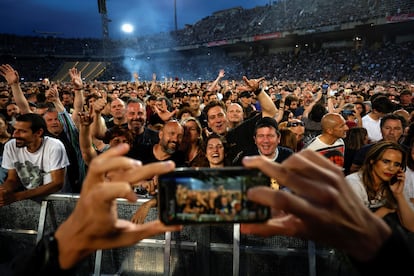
110	160
150	170
310	183
130	233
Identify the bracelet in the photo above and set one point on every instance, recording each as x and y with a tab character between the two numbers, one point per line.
257	91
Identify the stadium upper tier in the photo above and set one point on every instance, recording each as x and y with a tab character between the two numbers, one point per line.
230	26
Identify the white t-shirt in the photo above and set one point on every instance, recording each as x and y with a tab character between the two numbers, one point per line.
373	128
334	152
355	180
409	185
34	169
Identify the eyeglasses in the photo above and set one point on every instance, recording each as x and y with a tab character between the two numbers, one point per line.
295	124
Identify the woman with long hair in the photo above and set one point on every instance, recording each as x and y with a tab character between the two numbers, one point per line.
192	143
216	151
356	137
380	184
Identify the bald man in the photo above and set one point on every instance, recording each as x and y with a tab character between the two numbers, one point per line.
170	137
330	143
234	115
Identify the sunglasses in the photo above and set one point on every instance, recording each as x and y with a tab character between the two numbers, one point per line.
295	124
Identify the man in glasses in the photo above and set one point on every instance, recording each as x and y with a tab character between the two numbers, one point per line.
298	128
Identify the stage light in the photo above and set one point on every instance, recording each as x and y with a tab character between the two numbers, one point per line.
127	28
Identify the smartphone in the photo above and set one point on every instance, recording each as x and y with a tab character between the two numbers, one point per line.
210	195
393	180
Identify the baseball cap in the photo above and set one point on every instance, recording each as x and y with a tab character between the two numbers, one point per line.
245	94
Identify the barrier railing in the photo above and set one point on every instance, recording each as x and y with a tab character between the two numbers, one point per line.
196	250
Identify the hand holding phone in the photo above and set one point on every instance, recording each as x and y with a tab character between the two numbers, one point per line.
210	195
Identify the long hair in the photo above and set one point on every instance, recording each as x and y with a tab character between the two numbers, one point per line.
199	129
355	137
373	156
288	139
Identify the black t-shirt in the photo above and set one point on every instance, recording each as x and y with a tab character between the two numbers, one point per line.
110	124
148	137
240	139
283	154
145	154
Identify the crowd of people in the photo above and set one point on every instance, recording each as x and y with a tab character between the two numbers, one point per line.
333	128
53	134
387	62
228	24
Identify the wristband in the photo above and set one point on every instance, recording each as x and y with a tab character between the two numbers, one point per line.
257	91
48	251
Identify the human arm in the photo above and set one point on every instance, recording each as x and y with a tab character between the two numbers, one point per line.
321	207
268	107
164	113
52	95
58	178
405	211
85	138
308	108
79	99
12	78
98	126
94	222
220	75
7	188
358	117
281	111
153	83
136	79
97	226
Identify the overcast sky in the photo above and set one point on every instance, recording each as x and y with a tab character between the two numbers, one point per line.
80	18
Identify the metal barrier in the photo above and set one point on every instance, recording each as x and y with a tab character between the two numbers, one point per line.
196	250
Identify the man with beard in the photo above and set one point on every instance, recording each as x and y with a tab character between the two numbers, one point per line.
59	123
36	163
170	137
136	119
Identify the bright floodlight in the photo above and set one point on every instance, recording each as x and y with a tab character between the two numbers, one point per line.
127	28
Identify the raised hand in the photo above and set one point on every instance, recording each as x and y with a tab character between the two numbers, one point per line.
11	75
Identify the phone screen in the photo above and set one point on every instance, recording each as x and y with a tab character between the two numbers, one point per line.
208	195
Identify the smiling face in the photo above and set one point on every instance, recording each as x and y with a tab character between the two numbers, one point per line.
171	136
217	120
235	113
267	140
54	126
136	117
215	152
24	135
